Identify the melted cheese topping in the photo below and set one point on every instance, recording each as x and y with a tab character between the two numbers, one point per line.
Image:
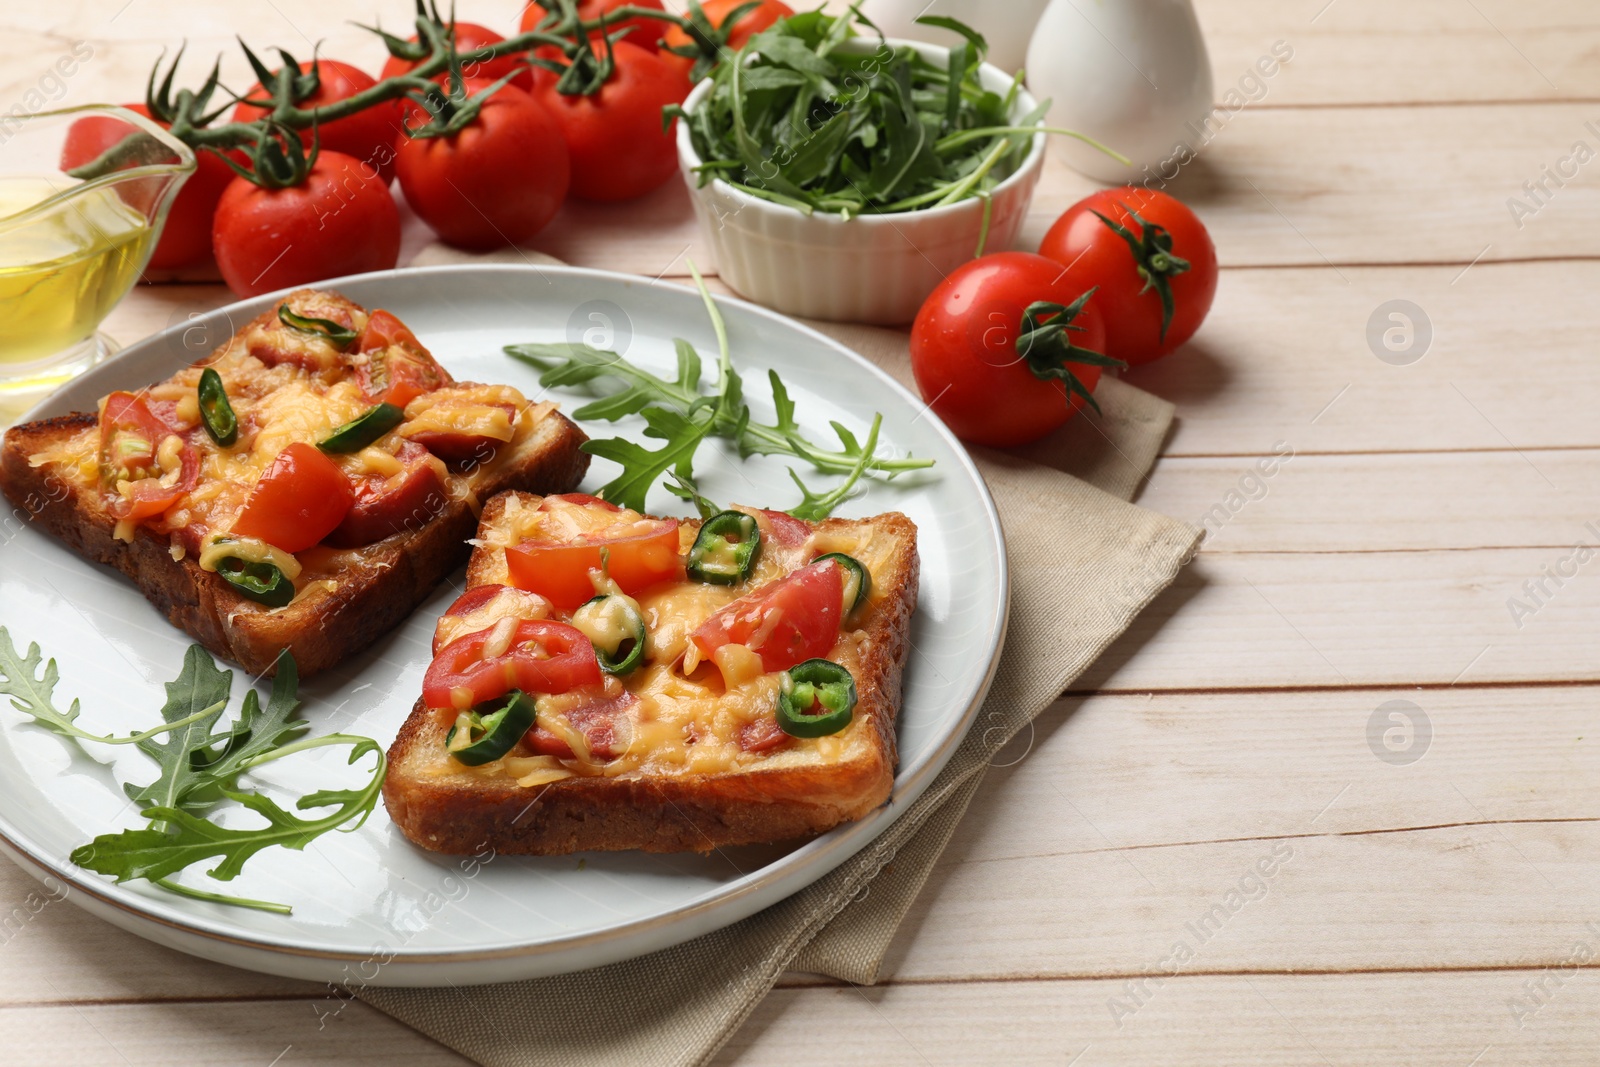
288	386
690	717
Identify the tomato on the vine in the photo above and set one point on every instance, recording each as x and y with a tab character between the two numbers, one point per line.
186	237
646	31
469	38
749	24
996	375
497	181
614	136
368	135
341	220
1152	260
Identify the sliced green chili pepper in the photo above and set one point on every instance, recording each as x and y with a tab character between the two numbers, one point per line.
360	432
724	551
494	728
341	336
815	698
262	582
616	629
857	579
216	414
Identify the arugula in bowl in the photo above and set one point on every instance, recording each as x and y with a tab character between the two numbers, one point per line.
812	116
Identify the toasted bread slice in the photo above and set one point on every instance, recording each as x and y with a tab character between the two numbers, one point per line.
669	792
345	598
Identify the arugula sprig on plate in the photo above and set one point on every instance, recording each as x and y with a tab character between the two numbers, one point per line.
678	413
200	758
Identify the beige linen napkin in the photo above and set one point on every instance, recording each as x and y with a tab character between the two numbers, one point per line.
1083	561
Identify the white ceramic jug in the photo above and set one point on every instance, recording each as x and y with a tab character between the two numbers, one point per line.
1005	24
1133	74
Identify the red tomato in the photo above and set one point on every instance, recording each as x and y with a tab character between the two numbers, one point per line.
299	499
1096	255
639	553
542	657
397	369
497	181
341	220
749	24
469	38
368	135
965	358
130	433
186	236
646	31
614	136
386	506
481	607
785	622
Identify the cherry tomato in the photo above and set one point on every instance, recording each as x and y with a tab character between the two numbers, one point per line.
785	622
750	24
646	31
186	236
541	657
341	220
497	181
384	506
614	137
299	499
1129	297
964	350
368	135
639	552
481	607
130	433
397	369
469	38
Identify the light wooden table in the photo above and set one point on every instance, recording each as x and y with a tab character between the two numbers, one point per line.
1444	910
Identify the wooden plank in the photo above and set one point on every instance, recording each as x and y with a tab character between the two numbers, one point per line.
1437	1019
1285	356
1326	503
1124	827
261	1034
1377	52
1361	618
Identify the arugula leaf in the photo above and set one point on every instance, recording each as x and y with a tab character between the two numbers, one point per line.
199	768
156	854
686	489
640	466
185	752
575	364
32	693
815	507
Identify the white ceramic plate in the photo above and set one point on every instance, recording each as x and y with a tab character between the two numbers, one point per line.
369	907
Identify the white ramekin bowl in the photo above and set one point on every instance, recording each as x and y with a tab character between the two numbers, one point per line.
871	268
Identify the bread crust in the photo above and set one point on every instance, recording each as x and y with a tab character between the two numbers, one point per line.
321	631
657	812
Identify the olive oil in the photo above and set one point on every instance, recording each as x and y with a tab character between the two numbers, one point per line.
60	274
